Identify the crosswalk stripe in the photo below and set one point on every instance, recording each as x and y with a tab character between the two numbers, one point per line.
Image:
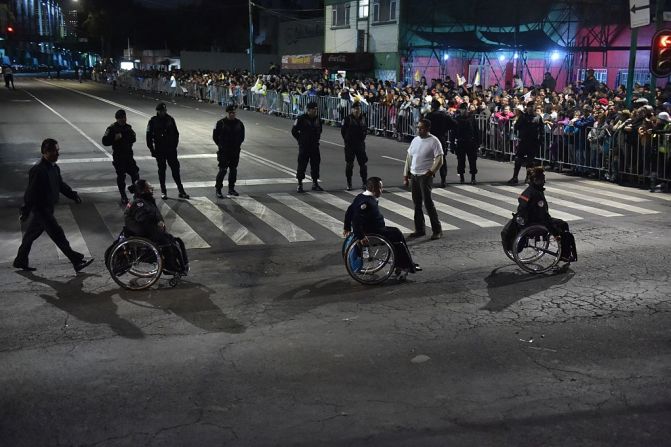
456	212
233	229
67	221
513	201
600	201
286	228
647	194
112	216
312	213
344	204
503	212
568	204
11	236
408	213
599	191
176	226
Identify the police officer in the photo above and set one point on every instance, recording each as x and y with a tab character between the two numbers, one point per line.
353	131
228	134
307	130
529	128
440	124
162	141
467	142
44	188
121	137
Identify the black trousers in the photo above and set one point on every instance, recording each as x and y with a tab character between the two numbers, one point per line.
443	167
9	79
421	186
228	159
358	152
123	168
467	150
401	252
164	159
311	155
41	220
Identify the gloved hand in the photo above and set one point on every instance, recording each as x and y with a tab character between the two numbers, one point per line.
77	199
152	151
24	212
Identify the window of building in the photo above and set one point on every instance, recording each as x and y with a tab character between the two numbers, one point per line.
363	9
340	17
384	10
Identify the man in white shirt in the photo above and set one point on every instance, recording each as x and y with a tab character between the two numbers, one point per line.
425	156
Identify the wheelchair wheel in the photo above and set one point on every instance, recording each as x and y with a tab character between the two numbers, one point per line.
508	251
135	264
536	250
375	260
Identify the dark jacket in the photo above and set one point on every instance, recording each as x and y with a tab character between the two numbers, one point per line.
44	187
529	129
532	206
363	216
440	124
307	131
354	131
229	134
162	135
142	217
122	148
466	130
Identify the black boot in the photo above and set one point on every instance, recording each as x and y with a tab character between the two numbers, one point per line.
473	182
349	183
461	178
300	186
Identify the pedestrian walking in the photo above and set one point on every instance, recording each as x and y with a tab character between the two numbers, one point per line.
228	135
307	131
529	127
440	124
44	188
162	141
8	75
425	156
353	130
121	137
467	142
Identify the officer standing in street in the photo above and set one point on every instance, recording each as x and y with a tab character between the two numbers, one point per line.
307	130
44	188
440	124
353	130
121	137
529	128
468	141
228	134
162	141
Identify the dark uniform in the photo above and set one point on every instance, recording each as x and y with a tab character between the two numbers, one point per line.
307	131
44	188
162	141
363	217
440	125
467	143
228	134
529	128
354	131
122	154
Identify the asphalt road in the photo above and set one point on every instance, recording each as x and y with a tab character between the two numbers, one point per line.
269	342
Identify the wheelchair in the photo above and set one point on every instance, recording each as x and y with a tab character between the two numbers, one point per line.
136	263
534	249
369	263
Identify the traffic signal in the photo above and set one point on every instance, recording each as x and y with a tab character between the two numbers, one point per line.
10	29
660	54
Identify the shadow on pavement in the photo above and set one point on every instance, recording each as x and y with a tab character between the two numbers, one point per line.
506	288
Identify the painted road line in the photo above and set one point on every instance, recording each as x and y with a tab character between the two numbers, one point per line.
456	212
601	192
11	237
600	201
499	211
112	215
286	228
176	226
407	212
312	213
344	204
67	221
233	229
513	201
392	158
613	186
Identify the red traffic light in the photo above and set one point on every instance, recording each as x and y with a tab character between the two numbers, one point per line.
10	29
660	54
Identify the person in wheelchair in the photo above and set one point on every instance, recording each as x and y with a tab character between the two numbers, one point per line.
363	217
142	218
533	209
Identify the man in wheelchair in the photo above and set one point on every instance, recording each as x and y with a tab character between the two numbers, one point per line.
363	217
142	218
533	209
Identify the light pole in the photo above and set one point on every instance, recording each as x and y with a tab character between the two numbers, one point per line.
251	40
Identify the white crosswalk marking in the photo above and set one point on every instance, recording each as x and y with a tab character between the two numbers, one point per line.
233	229
513	201
456	212
602	192
503	212
312	213
286	228
176	226
67	221
408	213
10	235
600	201
647	194
344	204
112	216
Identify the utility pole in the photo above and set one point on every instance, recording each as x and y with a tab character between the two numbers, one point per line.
659	24
251	40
